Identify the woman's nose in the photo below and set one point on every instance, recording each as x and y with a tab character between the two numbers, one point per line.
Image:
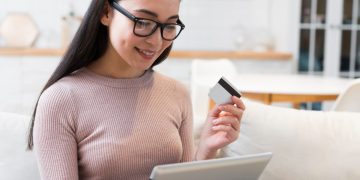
155	38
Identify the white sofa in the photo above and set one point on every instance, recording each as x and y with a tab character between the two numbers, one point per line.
15	162
305	144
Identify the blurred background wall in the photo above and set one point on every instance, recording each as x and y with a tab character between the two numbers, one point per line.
210	24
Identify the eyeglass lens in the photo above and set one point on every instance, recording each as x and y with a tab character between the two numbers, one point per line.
145	27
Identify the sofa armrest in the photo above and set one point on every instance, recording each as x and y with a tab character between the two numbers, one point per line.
15	161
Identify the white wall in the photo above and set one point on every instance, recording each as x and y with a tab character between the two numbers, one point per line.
214	25
210	24
21	81
47	15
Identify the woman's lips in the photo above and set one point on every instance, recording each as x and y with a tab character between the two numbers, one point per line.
146	54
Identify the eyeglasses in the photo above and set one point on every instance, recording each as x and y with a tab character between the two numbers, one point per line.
146	27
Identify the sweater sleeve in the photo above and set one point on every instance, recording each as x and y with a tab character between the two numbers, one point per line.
186	128
54	135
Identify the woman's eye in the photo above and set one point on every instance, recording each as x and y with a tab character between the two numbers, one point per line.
143	24
170	27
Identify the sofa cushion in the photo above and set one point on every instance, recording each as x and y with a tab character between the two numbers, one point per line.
305	144
15	162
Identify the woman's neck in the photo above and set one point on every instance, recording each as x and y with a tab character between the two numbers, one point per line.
110	65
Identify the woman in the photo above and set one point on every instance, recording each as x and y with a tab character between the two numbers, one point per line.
105	114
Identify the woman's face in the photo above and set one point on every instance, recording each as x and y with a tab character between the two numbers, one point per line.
139	53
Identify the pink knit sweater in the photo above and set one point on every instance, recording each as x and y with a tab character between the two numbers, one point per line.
94	127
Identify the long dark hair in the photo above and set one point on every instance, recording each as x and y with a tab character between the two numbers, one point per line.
89	43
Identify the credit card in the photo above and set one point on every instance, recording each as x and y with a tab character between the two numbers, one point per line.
222	92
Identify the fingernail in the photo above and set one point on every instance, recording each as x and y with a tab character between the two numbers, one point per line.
215	121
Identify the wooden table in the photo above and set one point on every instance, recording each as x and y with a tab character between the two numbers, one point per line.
295	89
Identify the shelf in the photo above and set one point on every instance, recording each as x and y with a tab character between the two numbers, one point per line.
237	55
270	55
30	52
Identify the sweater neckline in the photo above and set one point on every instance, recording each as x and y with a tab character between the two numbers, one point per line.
137	82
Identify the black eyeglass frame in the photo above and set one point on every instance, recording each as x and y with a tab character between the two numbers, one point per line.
126	13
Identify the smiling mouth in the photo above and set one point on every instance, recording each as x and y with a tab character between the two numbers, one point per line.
146	53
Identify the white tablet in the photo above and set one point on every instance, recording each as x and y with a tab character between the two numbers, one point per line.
247	167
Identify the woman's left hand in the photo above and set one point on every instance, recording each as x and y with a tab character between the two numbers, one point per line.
221	128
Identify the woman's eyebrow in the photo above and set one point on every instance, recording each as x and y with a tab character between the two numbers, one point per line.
154	14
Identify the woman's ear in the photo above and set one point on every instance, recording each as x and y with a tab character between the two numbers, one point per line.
106	16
